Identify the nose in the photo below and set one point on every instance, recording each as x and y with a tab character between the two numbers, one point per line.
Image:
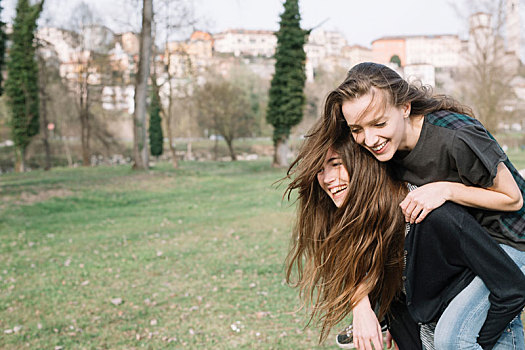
369	137
329	175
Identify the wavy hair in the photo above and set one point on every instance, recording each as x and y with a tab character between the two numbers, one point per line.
336	250
364	77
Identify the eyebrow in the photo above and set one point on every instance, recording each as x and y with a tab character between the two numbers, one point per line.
373	121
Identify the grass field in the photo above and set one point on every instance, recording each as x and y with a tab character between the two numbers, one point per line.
108	258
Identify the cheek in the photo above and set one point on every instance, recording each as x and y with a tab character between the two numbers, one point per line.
320	180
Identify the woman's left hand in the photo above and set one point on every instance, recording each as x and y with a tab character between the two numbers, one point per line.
421	201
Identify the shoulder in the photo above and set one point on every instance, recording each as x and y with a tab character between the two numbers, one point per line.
451	120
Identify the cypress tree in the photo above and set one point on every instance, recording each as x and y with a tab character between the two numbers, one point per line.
286	96
155	126
21	86
3	39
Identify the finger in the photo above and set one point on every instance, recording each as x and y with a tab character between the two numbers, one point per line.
395	345
367	344
377	344
379	336
422	215
415	214
360	343
408	211
404	203
388	340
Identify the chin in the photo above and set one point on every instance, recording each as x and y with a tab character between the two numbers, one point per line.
383	157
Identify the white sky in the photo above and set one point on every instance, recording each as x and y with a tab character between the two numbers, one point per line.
361	21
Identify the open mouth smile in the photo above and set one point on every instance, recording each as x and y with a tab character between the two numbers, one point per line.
338	189
379	147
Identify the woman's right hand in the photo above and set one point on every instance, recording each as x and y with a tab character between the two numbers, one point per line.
367	330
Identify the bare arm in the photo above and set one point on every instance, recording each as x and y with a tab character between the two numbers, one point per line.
503	195
367	330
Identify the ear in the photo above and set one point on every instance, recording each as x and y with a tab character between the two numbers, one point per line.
406	109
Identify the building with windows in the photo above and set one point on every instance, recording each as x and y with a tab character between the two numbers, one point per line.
243	42
386	49
440	51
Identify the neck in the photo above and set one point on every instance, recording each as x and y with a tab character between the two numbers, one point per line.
414	124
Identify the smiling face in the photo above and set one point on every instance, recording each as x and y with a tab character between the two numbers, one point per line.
333	178
376	124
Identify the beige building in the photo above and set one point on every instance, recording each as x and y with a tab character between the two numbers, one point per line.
332	42
422	73
355	54
246	42
191	56
440	51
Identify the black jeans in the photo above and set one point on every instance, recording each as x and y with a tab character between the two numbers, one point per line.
403	328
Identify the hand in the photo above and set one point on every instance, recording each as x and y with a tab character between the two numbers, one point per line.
390	341
367	330
421	201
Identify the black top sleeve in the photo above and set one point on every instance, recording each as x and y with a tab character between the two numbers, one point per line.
501	275
476	156
445	251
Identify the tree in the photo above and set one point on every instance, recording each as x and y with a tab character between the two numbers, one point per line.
43	82
225	108
174	90
490	67
22	80
155	128
3	39
396	60
90	71
140	146
286	96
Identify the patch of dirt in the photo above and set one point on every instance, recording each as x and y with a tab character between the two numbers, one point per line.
25	198
263	150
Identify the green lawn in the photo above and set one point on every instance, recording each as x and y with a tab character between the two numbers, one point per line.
108	258
105	258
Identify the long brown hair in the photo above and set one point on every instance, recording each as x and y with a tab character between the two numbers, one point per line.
335	250
364	77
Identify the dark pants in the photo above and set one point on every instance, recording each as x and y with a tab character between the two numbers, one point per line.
403	328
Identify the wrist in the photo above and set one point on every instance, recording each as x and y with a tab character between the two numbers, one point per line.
364	303
448	191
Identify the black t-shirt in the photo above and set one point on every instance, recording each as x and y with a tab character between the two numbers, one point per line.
457	148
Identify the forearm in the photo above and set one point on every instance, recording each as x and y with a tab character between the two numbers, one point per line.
484	198
496	323
503	195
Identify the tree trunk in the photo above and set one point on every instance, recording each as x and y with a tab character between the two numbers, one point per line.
84	114
216	149
20	165
140	144
167	117
42	83
230	148
189	155
68	153
84	137
281	151
47	149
